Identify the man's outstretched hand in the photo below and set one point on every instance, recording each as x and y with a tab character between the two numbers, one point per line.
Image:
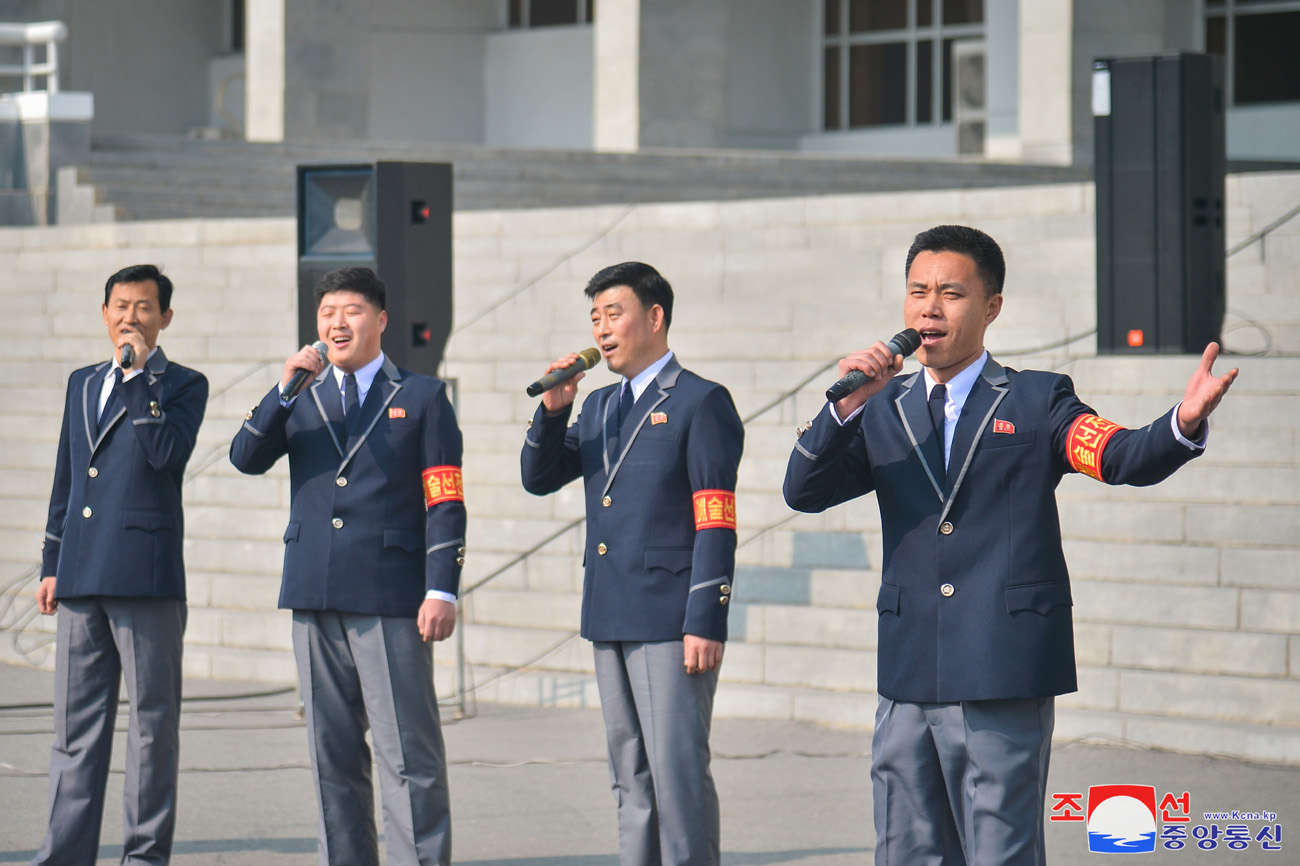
1204	391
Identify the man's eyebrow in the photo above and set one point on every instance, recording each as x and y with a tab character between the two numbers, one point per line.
950	284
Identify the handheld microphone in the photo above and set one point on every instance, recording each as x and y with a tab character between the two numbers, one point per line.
587	359
903	343
127	357
302	377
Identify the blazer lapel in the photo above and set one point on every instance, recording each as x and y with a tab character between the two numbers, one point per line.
989	390
914	412
650	400
609	429
90	390
325	394
388	381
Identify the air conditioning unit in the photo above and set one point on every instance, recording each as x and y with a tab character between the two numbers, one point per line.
969	99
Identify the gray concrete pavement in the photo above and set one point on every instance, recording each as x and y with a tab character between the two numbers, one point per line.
530	786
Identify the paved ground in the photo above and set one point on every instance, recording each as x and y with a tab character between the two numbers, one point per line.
530	786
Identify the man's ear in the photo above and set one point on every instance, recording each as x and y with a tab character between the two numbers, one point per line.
995	307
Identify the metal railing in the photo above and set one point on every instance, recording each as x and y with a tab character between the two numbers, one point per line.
1259	236
29	37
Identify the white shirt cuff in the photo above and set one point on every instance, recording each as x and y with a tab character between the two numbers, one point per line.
1178	434
440	596
836	415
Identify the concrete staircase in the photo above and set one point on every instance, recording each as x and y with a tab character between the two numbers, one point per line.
157	177
1185	594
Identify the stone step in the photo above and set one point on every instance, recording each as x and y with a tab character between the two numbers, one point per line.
153	177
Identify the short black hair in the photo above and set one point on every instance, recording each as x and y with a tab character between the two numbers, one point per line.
969	242
646	283
363	281
141	274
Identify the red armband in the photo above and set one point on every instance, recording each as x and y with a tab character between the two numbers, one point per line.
443	484
1086	442
714	509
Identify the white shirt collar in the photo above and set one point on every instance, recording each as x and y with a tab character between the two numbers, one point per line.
958	388
365	377
643	379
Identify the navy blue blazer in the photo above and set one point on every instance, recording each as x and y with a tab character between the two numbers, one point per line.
650	573
373	523
116	524
974	601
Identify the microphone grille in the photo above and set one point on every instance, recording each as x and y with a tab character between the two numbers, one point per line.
322	348
908	340
591	357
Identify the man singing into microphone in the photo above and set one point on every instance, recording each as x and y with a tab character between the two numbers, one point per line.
976	637
114	573
372	561
658	453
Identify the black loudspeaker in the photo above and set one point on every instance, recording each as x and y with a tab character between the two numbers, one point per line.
391	217
1159	127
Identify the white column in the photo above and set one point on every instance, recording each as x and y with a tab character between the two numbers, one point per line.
264	47
1046	50
616	114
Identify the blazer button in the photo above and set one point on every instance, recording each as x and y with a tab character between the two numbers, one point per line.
946	527
725	589
600	548
460	560
947	589
724	599
460	551
341	481
155	413
337	523
92	472
607	502
86	512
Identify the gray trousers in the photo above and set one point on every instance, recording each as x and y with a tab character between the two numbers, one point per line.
961	783
357	672
100	639
657	720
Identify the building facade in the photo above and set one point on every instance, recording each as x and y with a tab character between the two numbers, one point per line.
997	79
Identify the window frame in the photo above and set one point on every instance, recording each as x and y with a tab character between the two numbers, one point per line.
936	33
1228	11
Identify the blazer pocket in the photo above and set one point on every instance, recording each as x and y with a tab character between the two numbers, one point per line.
291	532
1038	597
408	541
1007	440
887	600
674	559
149	521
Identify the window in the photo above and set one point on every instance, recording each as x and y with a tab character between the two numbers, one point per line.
236	26
889	62
1257	40
549	13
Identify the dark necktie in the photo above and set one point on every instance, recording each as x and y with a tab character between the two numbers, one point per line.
351	405
937	397
625	401
614	423
114	401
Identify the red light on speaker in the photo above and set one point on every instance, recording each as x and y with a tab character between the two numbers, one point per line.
419	213
421	334
1135	338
